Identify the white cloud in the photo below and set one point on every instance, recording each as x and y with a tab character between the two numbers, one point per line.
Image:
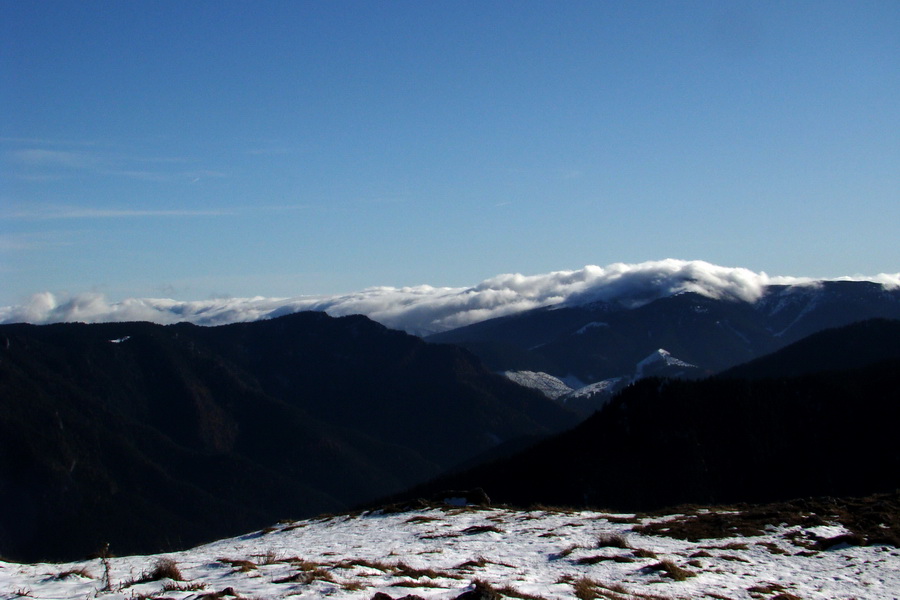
426	309
639	283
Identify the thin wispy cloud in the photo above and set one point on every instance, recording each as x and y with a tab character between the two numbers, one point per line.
178	160
46	142
569	174
206	173
268	151
30	242
57	158
164	176
143	175
48	162
386	200
284	207
38	177
68	212
84	212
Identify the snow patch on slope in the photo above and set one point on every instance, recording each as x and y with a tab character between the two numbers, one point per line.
547	384
591	325
601	387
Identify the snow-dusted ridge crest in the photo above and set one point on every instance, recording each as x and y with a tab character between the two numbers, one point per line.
425	309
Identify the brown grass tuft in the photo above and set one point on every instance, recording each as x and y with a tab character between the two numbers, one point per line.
269	557
613	541
510	592
586	589
239	564
476	563
476	529
82	572
164	568
365	563
672	570
353	586
593	560
566	551
772	547
404	570
421	519
179	586
416	583
307	577
769	588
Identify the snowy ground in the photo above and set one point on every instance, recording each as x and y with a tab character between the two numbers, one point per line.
440	553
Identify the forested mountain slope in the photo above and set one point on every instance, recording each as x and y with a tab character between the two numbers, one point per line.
152	437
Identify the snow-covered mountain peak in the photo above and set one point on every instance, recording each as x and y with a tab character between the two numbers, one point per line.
663	355
590	397
659	359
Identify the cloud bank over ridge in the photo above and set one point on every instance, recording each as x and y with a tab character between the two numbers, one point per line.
425	309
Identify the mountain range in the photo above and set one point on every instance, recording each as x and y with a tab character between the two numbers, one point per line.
816	418
425	310
688	334
153	437
149	436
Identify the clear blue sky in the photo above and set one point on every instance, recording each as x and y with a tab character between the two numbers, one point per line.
194	149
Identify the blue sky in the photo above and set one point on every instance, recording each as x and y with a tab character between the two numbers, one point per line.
201	149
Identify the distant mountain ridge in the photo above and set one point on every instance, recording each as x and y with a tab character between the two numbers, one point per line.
153	437
423	310
599	341
816	418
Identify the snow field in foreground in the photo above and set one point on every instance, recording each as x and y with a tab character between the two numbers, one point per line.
439	553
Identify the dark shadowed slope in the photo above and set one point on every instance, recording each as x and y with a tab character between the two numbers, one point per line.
849	347
721	440
153	437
